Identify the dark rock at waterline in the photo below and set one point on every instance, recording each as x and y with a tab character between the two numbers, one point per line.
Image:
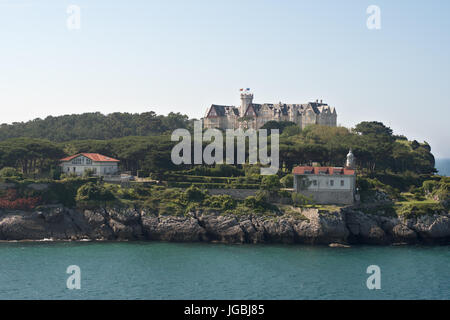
346	226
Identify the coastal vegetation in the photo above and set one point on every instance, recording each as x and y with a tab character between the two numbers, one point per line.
394	174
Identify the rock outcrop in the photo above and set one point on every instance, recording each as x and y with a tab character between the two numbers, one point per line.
347	226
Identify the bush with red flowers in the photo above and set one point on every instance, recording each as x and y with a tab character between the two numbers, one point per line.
11	200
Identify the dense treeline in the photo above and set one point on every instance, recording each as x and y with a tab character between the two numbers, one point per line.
95	126
29	155
376	148
40	157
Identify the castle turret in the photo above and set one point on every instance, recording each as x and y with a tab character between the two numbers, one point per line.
246	100
350	160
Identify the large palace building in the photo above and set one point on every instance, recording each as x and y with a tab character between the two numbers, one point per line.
253	115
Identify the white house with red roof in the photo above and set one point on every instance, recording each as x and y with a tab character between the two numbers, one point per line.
99	164
327	185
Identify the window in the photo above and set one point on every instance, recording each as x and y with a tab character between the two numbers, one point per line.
88	161
342	183
77	160
315	182
331	182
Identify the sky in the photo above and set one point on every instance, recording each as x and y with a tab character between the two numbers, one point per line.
182	56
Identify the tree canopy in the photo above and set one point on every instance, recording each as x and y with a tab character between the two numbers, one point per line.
95	126
142	144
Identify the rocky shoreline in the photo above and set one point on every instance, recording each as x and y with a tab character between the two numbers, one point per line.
344	227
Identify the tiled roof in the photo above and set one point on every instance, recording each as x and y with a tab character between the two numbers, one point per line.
93	156
323	170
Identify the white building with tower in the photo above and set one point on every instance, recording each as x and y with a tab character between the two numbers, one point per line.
327	185
254	115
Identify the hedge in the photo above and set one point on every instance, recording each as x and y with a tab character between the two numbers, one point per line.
175	184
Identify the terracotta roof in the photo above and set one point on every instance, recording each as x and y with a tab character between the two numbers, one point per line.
93	156
323	170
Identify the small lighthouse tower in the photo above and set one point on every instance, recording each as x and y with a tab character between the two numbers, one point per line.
350	163
246	100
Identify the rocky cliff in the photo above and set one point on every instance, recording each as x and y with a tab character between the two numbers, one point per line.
347	226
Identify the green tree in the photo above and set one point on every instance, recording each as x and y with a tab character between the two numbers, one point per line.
271	183
94	192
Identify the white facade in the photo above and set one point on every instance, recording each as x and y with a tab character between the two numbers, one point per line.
326	185
81	163
320	182
254	115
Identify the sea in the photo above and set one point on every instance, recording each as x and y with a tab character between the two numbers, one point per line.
443	166
159	270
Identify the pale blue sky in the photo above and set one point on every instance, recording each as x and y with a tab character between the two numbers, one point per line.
181	56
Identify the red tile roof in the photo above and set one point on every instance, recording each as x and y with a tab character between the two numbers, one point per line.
323	170
93	156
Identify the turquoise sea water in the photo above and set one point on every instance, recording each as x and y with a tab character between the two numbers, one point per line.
151	270
443	166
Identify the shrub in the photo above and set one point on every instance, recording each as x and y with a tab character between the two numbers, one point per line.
362	184
213	185
259	202
252	170
94	192
417	192
429	185
193	194
9	172
223	202
251	202
411	210
55	173
13	201
287	181
367	184
442	191
271	182
170	208
300	200
220	170
88	173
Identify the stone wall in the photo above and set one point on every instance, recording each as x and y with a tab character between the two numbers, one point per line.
239	194
330	196
34	186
